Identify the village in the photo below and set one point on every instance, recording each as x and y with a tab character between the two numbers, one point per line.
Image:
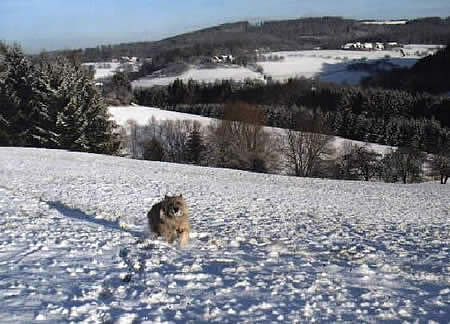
376	46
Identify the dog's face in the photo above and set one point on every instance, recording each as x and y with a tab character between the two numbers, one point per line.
175	206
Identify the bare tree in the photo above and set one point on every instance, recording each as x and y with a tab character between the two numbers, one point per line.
344	163
133	138
153	150
240	140
358	162
440	165
405	163
174	138
306	146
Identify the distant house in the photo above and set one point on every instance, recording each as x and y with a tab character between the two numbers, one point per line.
365	46
348	46
358	46
124	59
222	59
392	45
127	59
379	46
385	22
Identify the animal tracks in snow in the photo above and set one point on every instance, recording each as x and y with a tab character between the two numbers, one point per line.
264	248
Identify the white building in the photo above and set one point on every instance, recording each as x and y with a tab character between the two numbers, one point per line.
379	46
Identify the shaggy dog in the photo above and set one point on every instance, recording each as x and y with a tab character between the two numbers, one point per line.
169	218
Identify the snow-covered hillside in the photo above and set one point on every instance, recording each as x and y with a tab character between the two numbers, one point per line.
264	248
210	75
331	65
326	65
142	115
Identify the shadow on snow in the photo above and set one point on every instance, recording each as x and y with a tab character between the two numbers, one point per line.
78	214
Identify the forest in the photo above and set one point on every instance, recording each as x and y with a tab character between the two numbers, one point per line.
391	117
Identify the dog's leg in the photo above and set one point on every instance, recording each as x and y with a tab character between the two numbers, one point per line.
170	236
184	238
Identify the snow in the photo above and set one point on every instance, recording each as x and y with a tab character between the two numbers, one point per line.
385	22
424	46
265	248
330	65
142	115
326	65
104	69
210	75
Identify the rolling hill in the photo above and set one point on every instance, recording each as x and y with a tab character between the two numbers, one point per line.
264	248
295	34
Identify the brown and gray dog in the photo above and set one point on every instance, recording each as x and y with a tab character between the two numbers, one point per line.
169	218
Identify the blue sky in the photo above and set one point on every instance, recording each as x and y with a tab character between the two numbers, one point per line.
51	24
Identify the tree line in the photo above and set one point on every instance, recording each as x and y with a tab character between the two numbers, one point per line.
391	117
294	34
306	149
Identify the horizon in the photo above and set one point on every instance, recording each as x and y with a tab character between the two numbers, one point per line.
52	25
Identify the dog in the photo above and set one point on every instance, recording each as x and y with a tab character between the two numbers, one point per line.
169	218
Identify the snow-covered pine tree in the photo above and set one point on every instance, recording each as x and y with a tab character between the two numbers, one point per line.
81	117
23	100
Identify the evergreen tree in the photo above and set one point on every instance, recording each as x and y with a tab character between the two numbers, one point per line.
51	104
82	120
118	92
25	119
194	145
153	150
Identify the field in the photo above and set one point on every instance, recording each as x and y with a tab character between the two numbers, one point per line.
325	65
332	65
207	75
104	69
264	248
142	115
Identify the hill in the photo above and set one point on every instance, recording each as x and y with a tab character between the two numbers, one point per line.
430	74
264	248
295	34
142	115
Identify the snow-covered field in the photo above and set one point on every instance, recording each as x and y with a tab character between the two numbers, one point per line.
210	75
326	65
142	115
264	248
331	65
104	69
